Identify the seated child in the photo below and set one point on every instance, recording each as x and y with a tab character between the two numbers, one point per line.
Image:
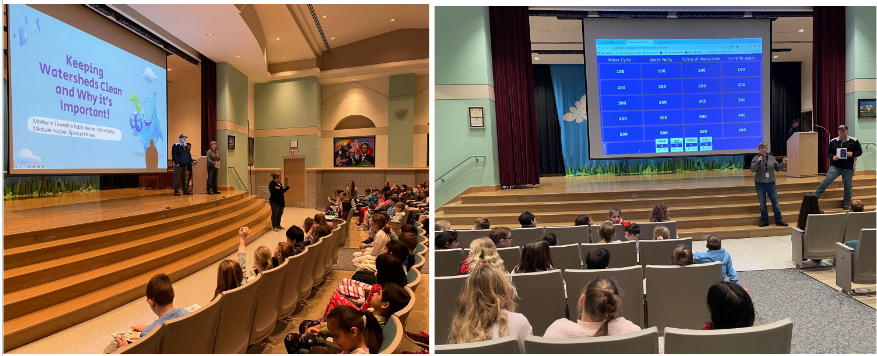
160	296
355	331
597	258
661	232
716	253
607	232
681	256
856	206
730	307
615	216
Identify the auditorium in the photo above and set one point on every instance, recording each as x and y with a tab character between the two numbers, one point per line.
597	168
217	178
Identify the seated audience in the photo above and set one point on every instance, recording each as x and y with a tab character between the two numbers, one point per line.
681	256
355	331
320	219
309	226
631	232
715	253
481	251
597	258
410	241
379	222
261	257
501	236
856	206
600	310
359	294
661	232
400	212
584	219
442	225
810	205
409	229
486	309
321	231
607	232
535	257
551	238
229	276
481	224
366	272
615	216
296	236
160	296
660	213
281	252
446	240
730	307
527	219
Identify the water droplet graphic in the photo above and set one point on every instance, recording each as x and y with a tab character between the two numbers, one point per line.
22	36
25	19
36	25
14	36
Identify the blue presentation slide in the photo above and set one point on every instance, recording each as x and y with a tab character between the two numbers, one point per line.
79	104
679	95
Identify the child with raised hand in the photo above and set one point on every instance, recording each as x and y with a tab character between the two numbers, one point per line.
355	331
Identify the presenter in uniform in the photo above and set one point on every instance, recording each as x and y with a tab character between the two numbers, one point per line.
764	165
842	153
180	157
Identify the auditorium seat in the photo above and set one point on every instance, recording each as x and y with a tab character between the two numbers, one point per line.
647	229
320	269
447	262
393	333
856	267
540	298
629	279
289	296
595	233
465	237
236	318
147	345
566	257
525	235
419	261
858	221
307	271
570	234
773	338
414	278
420	249
445	307
622	254
510	257
503	345
640	342
677	294
658	252
396	226
823	230
193	333
329	255
268	302
403	313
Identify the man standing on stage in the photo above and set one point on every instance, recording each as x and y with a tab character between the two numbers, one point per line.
180	158
842	153
793	129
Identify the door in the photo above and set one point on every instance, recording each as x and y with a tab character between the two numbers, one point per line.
294	175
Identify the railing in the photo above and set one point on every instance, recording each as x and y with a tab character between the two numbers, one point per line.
460	164
238	176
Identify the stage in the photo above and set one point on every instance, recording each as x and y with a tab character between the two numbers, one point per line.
702	203
71	257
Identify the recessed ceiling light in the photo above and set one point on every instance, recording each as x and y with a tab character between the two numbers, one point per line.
801	30
325	16
209	34
391	20
237	56
170	69
332	38
277	38
351	79
776	56
284	58
537	58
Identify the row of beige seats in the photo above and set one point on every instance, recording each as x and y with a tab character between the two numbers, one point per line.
824	231
565	234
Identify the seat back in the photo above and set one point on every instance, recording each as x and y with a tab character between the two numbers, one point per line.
446	306
332	250
147	345
268	302
320	267
628	279
419	261
193	333
640	342
510	257
823	230
395	225
864	260
236	318
622	254
447	262
540	297
465	237
566	257
658	252
403	313
503	345
570	234
414	278
595	233
420	249
289	296
525	235
677	294
393	332
307	270
773	338
647	229
858	221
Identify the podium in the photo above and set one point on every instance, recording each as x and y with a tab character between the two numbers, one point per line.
803	159
199	175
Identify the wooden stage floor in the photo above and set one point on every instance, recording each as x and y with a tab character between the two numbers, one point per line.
27	214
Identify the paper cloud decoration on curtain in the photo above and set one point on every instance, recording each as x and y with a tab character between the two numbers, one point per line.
577	113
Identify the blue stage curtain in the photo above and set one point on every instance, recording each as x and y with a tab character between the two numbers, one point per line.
568	81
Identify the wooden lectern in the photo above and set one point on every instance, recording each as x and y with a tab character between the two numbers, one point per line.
801	149
199	175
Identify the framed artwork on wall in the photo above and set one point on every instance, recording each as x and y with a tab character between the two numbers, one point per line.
231	142
293	144
354	152
867	108
476	117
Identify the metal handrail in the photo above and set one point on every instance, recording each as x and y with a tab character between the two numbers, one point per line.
460	164
238	177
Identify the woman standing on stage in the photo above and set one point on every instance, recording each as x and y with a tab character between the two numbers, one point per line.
276	200
212	168
764	165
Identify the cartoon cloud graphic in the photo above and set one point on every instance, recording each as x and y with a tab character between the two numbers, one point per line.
149	76
25	156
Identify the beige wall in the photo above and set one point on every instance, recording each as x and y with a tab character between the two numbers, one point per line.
396	46
421	118
184	111
369	98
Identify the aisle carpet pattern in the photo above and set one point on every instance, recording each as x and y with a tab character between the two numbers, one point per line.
825	321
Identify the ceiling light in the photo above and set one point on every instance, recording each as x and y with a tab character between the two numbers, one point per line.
209	34
776	56
391	20
325	16
351	79
277	38
801	30
537	58
284	58
170	69
237	56
332	38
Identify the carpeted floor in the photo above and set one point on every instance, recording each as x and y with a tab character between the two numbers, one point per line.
825	321
345	261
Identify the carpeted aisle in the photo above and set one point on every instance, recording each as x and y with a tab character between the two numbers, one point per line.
825	321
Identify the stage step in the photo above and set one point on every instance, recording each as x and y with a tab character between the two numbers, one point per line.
52	295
